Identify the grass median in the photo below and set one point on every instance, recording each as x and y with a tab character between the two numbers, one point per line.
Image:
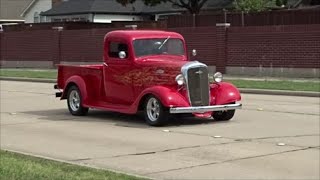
277	85
240	83
18	166
29	73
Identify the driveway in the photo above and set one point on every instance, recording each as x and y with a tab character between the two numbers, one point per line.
272	137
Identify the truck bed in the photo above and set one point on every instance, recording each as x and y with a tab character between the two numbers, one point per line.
91	74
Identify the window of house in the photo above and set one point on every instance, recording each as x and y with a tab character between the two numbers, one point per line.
79	19
42	18
36	17
116	47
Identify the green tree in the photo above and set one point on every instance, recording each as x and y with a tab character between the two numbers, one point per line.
252	5
193	6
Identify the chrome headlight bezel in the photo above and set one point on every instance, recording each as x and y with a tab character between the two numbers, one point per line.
180	79
218	77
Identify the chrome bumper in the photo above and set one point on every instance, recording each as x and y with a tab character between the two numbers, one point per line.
202	109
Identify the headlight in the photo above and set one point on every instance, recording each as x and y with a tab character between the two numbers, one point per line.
180	79
217	77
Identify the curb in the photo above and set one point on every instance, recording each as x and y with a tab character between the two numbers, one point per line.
40	80
280	92
242	90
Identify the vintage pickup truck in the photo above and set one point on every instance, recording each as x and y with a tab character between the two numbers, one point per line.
147	71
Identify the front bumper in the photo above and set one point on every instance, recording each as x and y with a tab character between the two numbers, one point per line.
202	109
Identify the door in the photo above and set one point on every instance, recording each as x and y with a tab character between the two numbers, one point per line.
117	79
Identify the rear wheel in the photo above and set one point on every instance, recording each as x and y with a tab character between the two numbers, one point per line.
223	115
155	113
74	101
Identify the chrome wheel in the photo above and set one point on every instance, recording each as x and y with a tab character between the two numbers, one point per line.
74	100
153	109
155	113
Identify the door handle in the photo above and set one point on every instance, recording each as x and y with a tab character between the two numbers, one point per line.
105	64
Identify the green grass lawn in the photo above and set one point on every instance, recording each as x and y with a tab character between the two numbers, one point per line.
278	85
47	74
254	84
17	166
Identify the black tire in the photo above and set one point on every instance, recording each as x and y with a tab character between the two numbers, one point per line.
151	109
223	115
75	107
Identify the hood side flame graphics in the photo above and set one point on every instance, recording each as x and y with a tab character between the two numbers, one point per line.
149	76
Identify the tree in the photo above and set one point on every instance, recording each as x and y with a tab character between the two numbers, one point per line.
252	5
193	6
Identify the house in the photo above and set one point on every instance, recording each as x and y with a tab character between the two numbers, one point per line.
31	13
10	10
106	11
302	3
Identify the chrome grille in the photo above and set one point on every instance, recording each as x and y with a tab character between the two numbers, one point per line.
198	85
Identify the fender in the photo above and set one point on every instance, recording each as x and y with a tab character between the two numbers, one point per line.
169	97
81	85
224	93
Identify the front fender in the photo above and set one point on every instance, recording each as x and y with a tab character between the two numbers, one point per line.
78	81
169	97
224	93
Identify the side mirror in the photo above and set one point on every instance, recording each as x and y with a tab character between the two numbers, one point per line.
194	52
122	55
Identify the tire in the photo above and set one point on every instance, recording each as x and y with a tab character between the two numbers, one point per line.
74	101
155	113
223	115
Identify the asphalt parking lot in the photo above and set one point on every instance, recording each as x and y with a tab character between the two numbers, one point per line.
272	137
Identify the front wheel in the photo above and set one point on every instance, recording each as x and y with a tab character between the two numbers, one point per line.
223	115
74	101
155	113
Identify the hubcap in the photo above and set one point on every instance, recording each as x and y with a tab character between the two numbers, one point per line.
74	100
153	109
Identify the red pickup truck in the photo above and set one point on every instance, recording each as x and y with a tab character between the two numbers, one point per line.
147	71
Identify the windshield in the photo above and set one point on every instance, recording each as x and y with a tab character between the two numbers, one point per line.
171	46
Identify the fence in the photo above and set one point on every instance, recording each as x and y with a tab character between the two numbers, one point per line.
268	18
84	25
254	50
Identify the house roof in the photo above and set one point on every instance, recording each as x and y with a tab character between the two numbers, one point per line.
28	8
108	6
10	10
297	3
293	3
219	4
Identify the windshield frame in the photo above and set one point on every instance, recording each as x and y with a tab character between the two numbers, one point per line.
163	41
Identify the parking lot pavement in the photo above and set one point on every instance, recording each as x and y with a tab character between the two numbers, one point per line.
272	137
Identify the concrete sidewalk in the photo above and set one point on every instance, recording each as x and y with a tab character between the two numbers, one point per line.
242	90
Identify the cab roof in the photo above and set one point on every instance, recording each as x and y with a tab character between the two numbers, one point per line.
142	34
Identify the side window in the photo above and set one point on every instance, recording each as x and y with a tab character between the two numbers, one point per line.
116	47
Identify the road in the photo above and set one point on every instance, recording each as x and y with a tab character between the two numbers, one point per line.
34	121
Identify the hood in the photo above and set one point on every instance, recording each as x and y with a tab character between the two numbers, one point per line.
158	70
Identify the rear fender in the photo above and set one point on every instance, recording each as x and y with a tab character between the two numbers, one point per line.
80	83
169	97
224	93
